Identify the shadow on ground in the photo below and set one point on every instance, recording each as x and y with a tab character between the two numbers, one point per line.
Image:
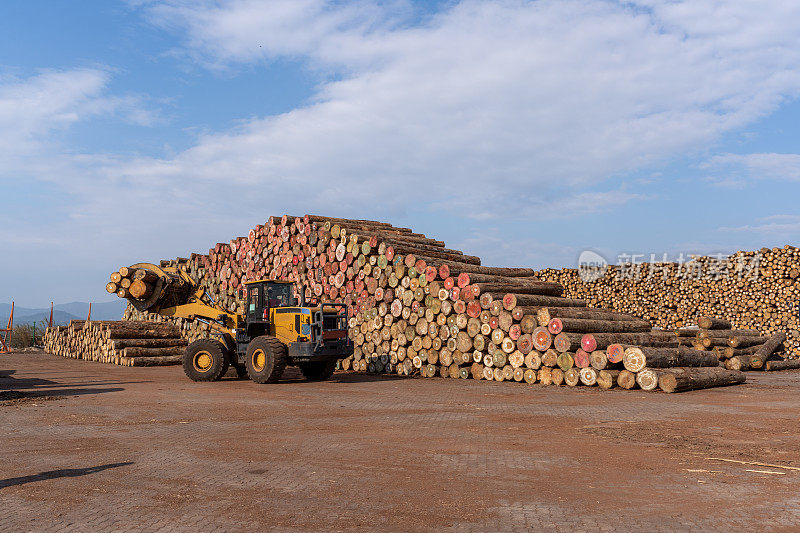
293	375
54	474
32	387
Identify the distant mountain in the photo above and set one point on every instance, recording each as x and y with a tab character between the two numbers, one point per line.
63	313
60	318
100	311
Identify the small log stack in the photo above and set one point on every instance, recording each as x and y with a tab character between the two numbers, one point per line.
123	342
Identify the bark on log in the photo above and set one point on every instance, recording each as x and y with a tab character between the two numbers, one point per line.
141	334
122	327
706	322
147	343
685	379
767	349
726	333
636	358
431	254
726	352
548	313
334	220
136	351
744	342
151	361
591	342
786	364
459	267
739	362
585	325
533	300
541	288
490	278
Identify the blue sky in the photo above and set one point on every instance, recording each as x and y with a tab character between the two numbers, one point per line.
523	132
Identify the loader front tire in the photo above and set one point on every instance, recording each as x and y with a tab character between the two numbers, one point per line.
266	359
205	360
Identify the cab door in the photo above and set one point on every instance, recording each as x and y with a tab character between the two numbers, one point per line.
254	299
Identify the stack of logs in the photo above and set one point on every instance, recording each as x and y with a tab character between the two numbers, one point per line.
129	283
753	289
417	307
737	349
190	330
125	343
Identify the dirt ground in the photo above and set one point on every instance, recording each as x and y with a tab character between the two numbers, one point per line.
93	447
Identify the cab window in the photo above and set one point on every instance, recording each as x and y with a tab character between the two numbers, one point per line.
253	293
280	295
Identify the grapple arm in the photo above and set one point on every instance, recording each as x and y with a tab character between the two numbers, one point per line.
175	294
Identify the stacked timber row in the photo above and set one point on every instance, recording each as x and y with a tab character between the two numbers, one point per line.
737	349
420	308
753	290
126	343
672	368
190	330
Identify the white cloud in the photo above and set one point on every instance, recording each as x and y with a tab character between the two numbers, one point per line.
32	108
519	101
489	109
741	169
35	108
776	227
252	30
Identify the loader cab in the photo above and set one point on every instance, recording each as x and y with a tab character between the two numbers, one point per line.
263	295
272	308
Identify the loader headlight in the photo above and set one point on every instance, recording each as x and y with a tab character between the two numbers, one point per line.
305	329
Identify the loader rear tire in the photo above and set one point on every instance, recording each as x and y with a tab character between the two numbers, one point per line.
205	360
318	370
266	359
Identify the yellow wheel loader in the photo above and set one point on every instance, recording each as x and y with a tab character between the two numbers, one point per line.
277	330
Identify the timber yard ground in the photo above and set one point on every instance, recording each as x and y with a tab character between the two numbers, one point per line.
93	447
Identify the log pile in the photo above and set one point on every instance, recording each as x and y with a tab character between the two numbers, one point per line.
753	290
126	343
737	349
190	330
420	308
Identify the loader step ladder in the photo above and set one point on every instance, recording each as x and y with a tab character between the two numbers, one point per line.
5	334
